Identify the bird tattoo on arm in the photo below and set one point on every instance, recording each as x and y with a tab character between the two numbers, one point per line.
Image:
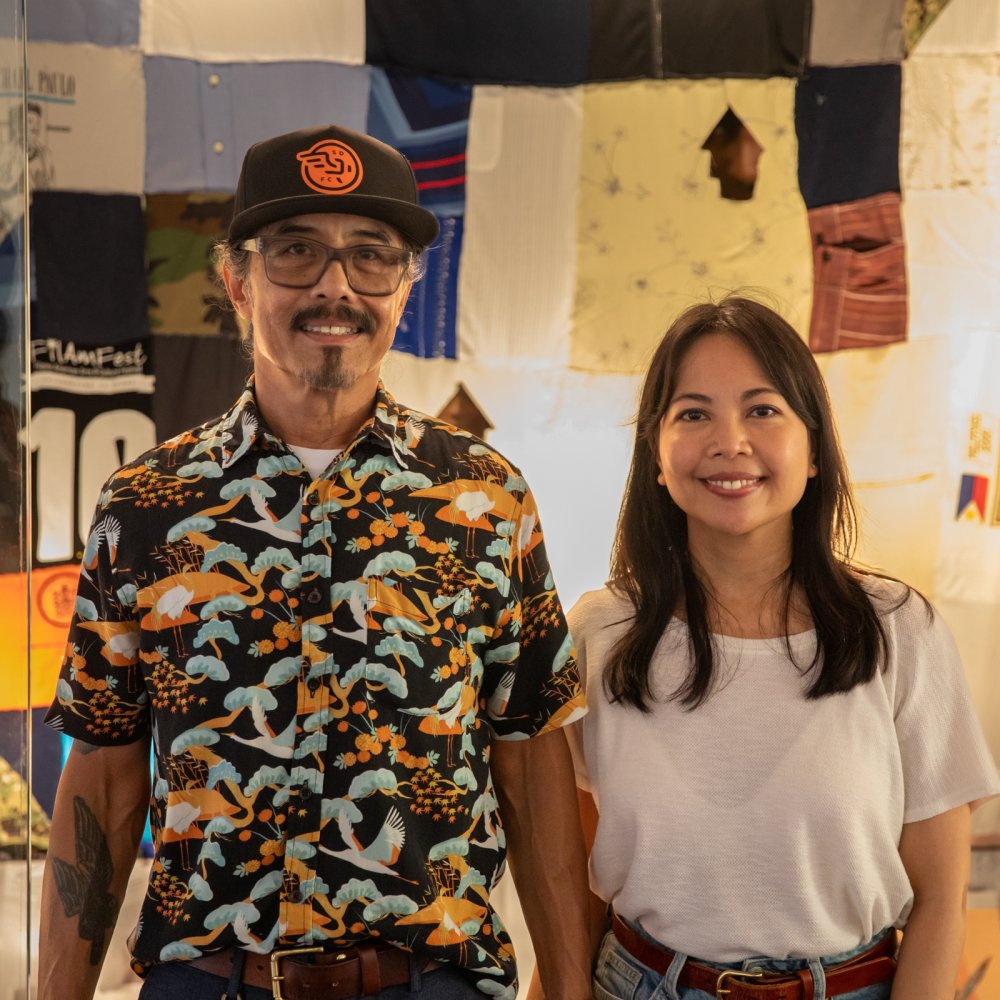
83	887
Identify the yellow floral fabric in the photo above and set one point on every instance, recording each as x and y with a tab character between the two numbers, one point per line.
654	234
323	665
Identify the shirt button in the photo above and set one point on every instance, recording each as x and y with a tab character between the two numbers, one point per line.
305	793
295	895
313	596
313	686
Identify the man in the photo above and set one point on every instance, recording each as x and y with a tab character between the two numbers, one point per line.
334	618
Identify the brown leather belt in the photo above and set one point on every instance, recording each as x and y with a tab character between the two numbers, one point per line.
360	970
876	965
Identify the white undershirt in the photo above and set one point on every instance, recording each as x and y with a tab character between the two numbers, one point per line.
316	460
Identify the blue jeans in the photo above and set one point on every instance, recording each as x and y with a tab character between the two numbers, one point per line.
174	980
619	976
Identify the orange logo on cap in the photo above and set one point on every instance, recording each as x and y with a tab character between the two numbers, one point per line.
330	167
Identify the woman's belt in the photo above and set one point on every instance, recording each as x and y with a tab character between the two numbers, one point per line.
875	965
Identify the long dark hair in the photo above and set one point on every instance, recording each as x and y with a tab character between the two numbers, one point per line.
650	562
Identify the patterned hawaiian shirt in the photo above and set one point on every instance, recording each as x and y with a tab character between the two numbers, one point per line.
323	664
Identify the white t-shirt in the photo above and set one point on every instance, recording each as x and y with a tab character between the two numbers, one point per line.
762	823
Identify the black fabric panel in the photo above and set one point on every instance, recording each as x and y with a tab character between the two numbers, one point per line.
847	122
751	38
90	272
197	378
517	41
621	41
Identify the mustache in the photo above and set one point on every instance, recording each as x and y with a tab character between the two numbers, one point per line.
343	314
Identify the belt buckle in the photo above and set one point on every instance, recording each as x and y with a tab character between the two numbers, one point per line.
720	991
276	957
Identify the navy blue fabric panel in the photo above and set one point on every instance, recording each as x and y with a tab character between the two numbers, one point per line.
428	325
90	273
428	121
101	22
847	121
197	378
519	41
752	38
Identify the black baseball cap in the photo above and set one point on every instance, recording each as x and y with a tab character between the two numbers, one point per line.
328	169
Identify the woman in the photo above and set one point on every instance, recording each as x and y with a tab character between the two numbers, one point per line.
780	748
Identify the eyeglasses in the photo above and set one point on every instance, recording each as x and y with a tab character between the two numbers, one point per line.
297	262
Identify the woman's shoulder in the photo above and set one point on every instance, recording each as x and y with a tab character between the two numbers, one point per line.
903	609
599	608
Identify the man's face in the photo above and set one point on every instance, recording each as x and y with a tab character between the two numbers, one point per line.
327	337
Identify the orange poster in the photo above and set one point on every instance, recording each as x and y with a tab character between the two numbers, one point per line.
53	591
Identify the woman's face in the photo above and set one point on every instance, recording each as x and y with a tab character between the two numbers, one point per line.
733	454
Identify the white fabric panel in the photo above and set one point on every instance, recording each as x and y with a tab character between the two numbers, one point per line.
889	404
91	132
856	32
963	26
968	567
950	122
258	30
953	261
516	279
569	432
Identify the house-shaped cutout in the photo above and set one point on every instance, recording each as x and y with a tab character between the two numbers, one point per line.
464	412
735	153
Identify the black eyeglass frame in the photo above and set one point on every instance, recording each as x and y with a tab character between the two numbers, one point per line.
257	244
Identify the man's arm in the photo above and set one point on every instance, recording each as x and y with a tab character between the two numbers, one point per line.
536	789
97	823
936	855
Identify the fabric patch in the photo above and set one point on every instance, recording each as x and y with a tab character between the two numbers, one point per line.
961	28
196	378
85	122
847	120
515	294
856	32
184	294
754	38
237	30
521	41
654	235
89	267
957	292
428	121
896	470
951	120
919	16
90	413
859	274
108	22
202	117
427	328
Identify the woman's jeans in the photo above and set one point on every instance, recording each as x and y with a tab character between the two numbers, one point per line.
619	976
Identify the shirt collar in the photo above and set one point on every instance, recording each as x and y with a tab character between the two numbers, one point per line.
242	427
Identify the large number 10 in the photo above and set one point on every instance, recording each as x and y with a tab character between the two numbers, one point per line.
108	440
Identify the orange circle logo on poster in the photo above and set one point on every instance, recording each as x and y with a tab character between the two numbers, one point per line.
56	598
331	167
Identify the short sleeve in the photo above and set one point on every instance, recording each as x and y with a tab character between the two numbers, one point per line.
945	759
530	665
100	696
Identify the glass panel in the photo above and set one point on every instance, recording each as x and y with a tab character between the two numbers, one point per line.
16	848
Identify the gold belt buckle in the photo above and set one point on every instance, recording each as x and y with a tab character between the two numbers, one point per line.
276	957
728	974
